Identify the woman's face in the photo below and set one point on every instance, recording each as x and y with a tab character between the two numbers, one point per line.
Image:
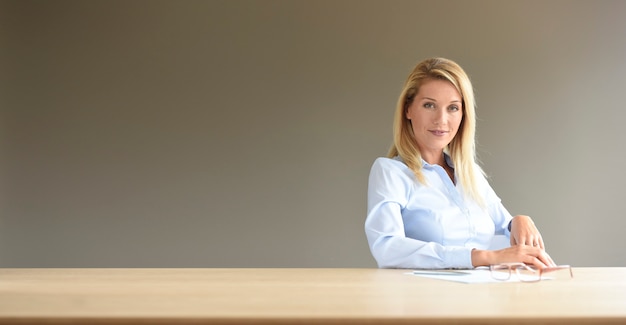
435	113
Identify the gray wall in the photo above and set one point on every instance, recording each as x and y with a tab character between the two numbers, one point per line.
240	133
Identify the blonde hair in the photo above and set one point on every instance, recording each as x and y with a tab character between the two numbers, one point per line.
462	147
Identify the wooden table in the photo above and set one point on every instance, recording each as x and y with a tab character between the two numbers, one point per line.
281	296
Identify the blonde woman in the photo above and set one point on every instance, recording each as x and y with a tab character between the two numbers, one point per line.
429	204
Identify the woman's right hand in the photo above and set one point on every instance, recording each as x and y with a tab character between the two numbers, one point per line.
530	255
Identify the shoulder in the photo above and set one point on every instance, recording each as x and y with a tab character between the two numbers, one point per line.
390	167
394	163
390	179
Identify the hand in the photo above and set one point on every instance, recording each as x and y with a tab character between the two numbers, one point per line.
526	254
524	232
519	253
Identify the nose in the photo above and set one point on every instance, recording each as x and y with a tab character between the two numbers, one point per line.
439	118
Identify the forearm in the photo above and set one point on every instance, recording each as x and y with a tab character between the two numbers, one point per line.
482	257
402	252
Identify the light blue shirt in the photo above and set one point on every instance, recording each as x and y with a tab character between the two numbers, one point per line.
413	225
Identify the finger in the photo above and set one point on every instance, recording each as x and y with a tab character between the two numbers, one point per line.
549	259
537	262
541	244
523	241
535	241
545	258
537	257
530	241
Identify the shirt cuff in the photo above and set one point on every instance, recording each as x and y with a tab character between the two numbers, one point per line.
459	257
507	230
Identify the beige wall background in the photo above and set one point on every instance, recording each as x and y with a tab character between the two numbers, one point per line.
241	133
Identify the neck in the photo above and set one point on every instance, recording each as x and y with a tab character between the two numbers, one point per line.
434	157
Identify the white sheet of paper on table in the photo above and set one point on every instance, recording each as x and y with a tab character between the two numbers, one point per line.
479	275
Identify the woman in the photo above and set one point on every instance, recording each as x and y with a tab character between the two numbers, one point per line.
429	204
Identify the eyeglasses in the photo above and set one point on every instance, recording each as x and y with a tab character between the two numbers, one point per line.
527	273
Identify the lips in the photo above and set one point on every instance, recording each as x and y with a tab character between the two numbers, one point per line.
438	132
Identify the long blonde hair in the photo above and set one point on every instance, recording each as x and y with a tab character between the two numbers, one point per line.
462	148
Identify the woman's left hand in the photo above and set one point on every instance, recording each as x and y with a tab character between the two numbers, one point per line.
524	232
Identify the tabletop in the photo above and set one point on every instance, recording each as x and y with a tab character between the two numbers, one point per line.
298	295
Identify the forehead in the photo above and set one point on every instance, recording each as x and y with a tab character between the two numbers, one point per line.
438	89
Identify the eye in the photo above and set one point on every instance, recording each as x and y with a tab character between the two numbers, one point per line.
429	105
453	108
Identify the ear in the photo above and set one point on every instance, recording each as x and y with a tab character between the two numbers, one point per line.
406	110
408	100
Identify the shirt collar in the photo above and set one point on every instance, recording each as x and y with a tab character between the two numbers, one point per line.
445	156
425	164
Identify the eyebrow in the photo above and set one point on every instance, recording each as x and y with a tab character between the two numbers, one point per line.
434	100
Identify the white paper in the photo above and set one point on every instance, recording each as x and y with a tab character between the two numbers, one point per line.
480	275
